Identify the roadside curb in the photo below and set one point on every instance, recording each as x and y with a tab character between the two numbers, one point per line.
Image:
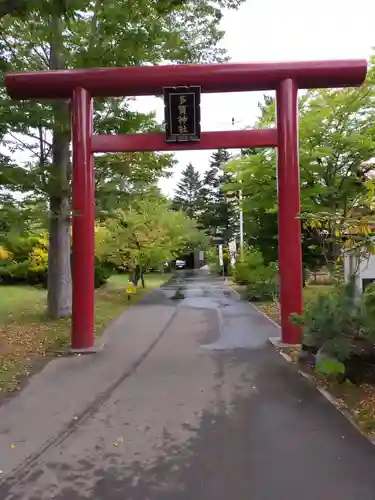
265	315
234	292
327	395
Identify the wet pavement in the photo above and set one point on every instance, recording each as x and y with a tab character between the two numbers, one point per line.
188	401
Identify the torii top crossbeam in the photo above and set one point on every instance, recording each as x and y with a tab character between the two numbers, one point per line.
150	80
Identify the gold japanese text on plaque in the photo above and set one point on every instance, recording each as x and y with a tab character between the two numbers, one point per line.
182	114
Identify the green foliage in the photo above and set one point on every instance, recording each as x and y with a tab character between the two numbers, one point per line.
21	246
20	216
211	255
102	272
206	198
218	206
337	234
148	234
10	272
121	178
254	172
39	35
337	138
261	280
212	260
252	260
263	283
188	192
25	260
369	299
335	322
22	272
329	366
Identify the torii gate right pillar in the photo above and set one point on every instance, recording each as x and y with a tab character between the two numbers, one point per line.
289	224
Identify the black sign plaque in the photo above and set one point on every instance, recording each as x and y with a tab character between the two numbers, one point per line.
182	114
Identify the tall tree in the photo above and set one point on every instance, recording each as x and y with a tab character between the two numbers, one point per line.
148	234
337	138
188	192
255	174
219	206
121	178
55	34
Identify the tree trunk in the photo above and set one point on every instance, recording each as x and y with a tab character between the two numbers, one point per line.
59	269
59	272
136	275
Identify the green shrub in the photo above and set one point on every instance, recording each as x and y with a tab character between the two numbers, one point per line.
5	278
330	367
336	322
243	269
103	272
28	261
369	299
24	259
241	273
21	246
211	255
263	283
20	272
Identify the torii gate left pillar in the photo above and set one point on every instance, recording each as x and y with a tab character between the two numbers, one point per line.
82	85
83	222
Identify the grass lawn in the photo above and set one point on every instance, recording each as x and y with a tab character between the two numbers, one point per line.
312	291
27	335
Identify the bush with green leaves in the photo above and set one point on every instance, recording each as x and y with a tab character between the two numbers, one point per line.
24	260
263	283
102	272
369	299
261	280
336	323
243	269
27	260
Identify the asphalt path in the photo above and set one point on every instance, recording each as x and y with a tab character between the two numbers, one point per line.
187	401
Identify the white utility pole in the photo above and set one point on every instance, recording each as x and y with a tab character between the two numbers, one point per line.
241	225
241	212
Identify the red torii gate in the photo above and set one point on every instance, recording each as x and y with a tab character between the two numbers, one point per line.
82	85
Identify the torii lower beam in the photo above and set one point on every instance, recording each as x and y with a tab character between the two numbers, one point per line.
209	140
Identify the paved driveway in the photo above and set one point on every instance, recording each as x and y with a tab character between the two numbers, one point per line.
187	401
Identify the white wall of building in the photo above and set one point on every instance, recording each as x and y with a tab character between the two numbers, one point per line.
365	269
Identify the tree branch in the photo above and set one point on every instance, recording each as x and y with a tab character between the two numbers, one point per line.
42	56
9	46
24	144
